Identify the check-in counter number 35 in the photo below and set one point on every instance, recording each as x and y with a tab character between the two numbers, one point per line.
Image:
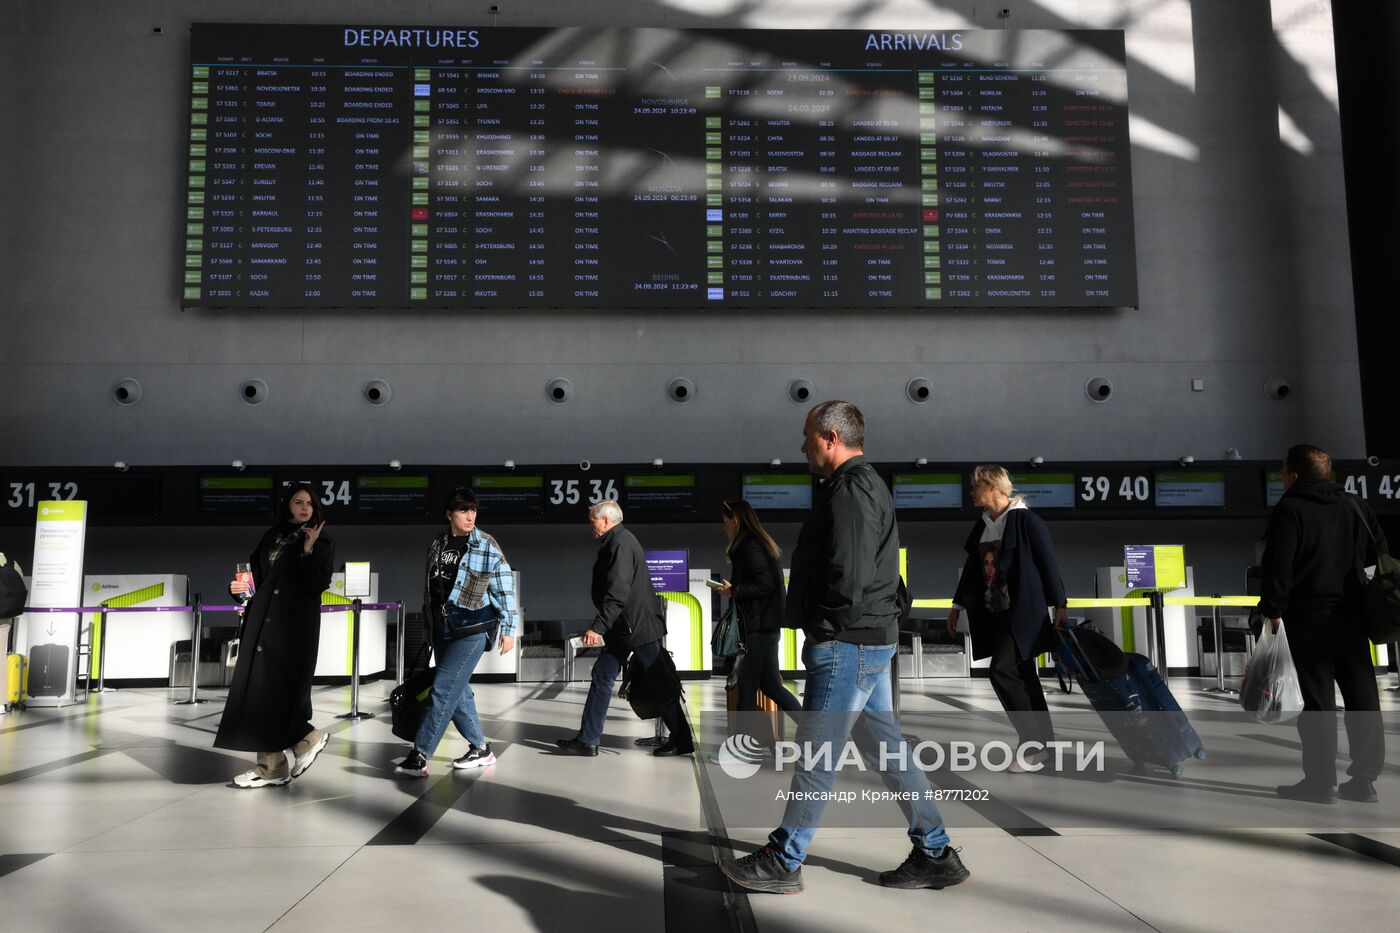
568	491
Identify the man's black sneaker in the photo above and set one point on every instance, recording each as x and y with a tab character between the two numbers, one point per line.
1307	792
575	747
415	765
475	758
761	872
921	871
1358	790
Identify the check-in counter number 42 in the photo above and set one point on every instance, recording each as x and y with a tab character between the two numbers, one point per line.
1387	485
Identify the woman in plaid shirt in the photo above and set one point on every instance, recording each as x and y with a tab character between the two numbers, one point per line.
469	603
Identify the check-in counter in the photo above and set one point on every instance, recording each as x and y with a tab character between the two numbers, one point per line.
1127	626
689	622
335	654
138	644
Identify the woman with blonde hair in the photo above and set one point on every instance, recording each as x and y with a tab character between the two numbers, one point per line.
1008	582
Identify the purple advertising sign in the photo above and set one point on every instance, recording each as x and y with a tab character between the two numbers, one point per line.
670	571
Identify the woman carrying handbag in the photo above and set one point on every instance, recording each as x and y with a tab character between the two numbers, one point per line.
758	598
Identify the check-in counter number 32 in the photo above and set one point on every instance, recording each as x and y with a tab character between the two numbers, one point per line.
23	495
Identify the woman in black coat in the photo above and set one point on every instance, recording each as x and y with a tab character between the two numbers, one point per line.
757	591
269	700
1008	582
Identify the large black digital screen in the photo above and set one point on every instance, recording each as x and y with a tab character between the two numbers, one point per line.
570	167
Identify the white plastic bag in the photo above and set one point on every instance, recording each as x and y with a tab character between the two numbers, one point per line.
1270	689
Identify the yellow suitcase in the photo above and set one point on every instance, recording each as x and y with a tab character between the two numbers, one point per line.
16	680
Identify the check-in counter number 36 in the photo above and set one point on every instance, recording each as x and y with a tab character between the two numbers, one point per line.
568	491
23	495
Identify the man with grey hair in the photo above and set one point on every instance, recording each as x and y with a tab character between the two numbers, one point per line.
845	594
629	618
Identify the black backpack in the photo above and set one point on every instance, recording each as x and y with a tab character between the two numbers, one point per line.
12	589
1380	596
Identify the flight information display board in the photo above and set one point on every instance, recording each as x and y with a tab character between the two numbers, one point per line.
340	166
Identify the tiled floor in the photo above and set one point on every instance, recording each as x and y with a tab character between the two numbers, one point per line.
117	816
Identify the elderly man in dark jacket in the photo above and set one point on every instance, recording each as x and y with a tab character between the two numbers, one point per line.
1318	540
845	595
628	619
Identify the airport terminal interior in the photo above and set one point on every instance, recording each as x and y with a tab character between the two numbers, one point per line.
564	255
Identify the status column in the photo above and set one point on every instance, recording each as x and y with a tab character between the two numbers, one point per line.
928	188
714	204
418	209
194	208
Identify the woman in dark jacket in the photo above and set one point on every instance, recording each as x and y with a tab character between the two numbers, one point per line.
1008	582
269	700
757	591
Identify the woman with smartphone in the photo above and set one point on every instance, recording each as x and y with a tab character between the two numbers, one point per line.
269	700
758	594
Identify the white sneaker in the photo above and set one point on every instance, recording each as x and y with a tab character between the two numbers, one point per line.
303	762
1039	758
253	779
476	758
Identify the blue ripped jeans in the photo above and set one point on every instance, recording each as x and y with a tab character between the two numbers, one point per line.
844	681
452	697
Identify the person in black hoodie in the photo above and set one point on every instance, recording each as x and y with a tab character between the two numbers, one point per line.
268	710
1315	548
628	619
757	591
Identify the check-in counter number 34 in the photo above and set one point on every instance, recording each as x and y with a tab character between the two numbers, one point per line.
568	491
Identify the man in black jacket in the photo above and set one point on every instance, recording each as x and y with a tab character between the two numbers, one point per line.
1315	547
844	595
628	619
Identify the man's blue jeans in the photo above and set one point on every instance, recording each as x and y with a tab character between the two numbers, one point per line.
452	697
605	670
844	681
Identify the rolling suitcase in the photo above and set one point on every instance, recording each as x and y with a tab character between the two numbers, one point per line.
16	680
48	671
1136	705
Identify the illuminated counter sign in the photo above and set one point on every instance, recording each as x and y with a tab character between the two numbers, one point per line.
391	493
778	490
1155	566
236	495
1273	487
928	491
1190	490
660	492
670	570
510	492
1045	490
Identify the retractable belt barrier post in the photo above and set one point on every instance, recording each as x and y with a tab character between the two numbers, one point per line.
401	637
354	713
195	640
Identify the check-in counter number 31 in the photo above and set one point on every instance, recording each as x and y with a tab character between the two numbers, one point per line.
23	495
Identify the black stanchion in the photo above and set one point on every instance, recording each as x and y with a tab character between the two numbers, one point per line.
401	637
1157	630
355	713
195	638
1219	652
